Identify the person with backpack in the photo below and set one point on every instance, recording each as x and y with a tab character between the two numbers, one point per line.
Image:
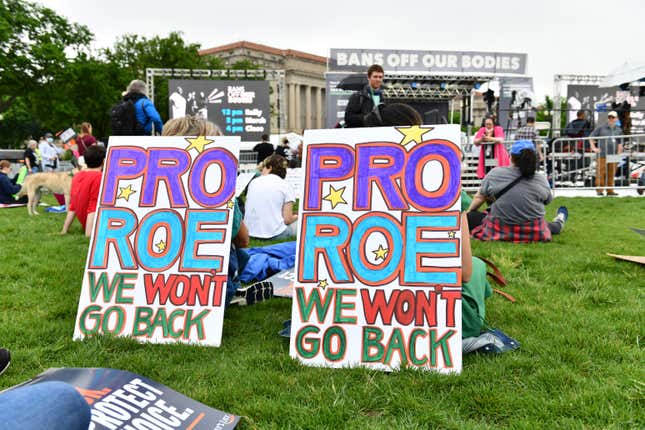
135	115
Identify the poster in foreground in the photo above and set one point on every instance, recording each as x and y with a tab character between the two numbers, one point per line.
121	400
378	264
158	259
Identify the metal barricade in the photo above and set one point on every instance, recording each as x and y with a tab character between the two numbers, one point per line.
575	162
469	180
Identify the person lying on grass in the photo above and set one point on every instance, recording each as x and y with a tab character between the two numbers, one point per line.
516	196
85	191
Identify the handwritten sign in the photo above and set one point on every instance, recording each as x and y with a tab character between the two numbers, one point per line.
158	260
378	268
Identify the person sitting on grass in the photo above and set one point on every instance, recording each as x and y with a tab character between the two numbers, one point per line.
8	187
269	202
516	196
85	191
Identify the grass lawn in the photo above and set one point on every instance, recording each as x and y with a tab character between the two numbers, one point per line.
579	317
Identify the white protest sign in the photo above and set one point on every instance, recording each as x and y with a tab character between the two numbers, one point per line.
158	260
378	265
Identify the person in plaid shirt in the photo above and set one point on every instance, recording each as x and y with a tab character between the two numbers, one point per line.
528	132
518	214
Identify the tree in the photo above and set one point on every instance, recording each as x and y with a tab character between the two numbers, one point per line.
35	45
135	53
84	91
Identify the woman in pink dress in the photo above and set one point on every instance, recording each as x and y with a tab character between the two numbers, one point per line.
490	137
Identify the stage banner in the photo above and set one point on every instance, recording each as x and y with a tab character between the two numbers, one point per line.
336	99
406	60
157	264
239	108
378	260
121	400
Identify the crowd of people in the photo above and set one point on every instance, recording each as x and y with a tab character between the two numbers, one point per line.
515	192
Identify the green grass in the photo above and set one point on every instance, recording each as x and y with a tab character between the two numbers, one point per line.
579	317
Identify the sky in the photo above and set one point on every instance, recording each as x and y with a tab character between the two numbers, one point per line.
560	37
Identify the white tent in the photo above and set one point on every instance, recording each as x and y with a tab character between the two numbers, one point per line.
625	74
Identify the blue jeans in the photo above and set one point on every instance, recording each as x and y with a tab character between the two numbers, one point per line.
45	405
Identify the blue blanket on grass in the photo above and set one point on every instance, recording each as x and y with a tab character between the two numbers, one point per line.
268	260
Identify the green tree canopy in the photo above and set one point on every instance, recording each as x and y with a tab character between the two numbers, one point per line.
35	45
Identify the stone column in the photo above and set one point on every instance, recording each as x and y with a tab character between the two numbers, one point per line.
308	122
298	107
291	103
319	108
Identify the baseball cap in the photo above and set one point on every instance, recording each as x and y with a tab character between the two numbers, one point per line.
613	113
521	145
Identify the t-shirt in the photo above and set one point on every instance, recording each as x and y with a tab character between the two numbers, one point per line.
33	160
605	139
264	149
265	198
85	194
84	142
523	202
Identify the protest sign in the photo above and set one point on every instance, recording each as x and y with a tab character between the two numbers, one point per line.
123	400
158	260
378	267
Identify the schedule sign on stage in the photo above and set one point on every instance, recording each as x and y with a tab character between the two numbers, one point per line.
378	268
158	260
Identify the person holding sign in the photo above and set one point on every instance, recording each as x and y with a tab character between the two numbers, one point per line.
517	195
492	153
269	202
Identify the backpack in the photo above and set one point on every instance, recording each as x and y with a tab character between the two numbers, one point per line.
123	120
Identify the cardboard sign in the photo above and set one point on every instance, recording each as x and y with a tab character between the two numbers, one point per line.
378	265
158	260
124	400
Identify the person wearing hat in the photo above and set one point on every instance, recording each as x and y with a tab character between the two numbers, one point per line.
608	144
517	196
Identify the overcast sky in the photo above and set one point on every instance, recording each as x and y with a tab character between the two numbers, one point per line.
562	36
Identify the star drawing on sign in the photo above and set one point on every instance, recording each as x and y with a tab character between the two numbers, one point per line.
452	234
230	204
161	246
198	143
335	196
126	192
412	133
380	253
323	283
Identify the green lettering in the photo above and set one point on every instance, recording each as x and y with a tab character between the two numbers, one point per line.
413	347
442	343
142	316
306	307
125	286
396	342
197	321
342	343
340	305
372	337
313	344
